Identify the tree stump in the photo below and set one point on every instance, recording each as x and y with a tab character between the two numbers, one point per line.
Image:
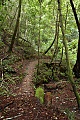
48	99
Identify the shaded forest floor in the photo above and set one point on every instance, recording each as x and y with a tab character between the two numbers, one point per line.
24	106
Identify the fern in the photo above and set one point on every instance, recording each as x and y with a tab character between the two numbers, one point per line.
40	94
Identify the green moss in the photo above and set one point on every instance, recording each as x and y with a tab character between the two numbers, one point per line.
39	93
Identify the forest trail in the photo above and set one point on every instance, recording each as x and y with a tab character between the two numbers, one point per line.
24	106
26	88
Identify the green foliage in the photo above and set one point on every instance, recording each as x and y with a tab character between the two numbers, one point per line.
25	50
1	44
7	80
14	58
29	24
39	93
10	76
71	115
4	90
44	74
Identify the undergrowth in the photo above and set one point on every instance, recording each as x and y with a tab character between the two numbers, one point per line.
9	75
47	75
43	76
11	66
39	93
71	115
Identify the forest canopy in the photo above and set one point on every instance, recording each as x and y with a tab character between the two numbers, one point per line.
29	23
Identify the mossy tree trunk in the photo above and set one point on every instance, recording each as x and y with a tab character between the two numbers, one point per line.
39	39
67	57
16	28
76	68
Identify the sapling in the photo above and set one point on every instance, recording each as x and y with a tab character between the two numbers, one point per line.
39	93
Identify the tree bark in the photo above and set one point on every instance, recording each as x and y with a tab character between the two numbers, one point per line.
16	28
76	68
39	39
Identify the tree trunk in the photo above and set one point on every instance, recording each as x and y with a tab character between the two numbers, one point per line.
54	56
39	39
16	28
67	58
76	68
50	45
56	35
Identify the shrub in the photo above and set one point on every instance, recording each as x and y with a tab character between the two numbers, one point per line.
39	93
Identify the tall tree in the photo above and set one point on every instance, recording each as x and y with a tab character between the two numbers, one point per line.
76	68
40	1
16	27
67	57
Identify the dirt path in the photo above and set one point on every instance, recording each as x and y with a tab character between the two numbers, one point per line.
26	87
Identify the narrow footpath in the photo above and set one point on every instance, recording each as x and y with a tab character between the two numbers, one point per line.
26	87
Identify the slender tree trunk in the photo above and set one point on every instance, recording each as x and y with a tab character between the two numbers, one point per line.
40	1
17	35
56	35
76	68
16	27
13	17
66	17
65	30
56	42
50	45
67	58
